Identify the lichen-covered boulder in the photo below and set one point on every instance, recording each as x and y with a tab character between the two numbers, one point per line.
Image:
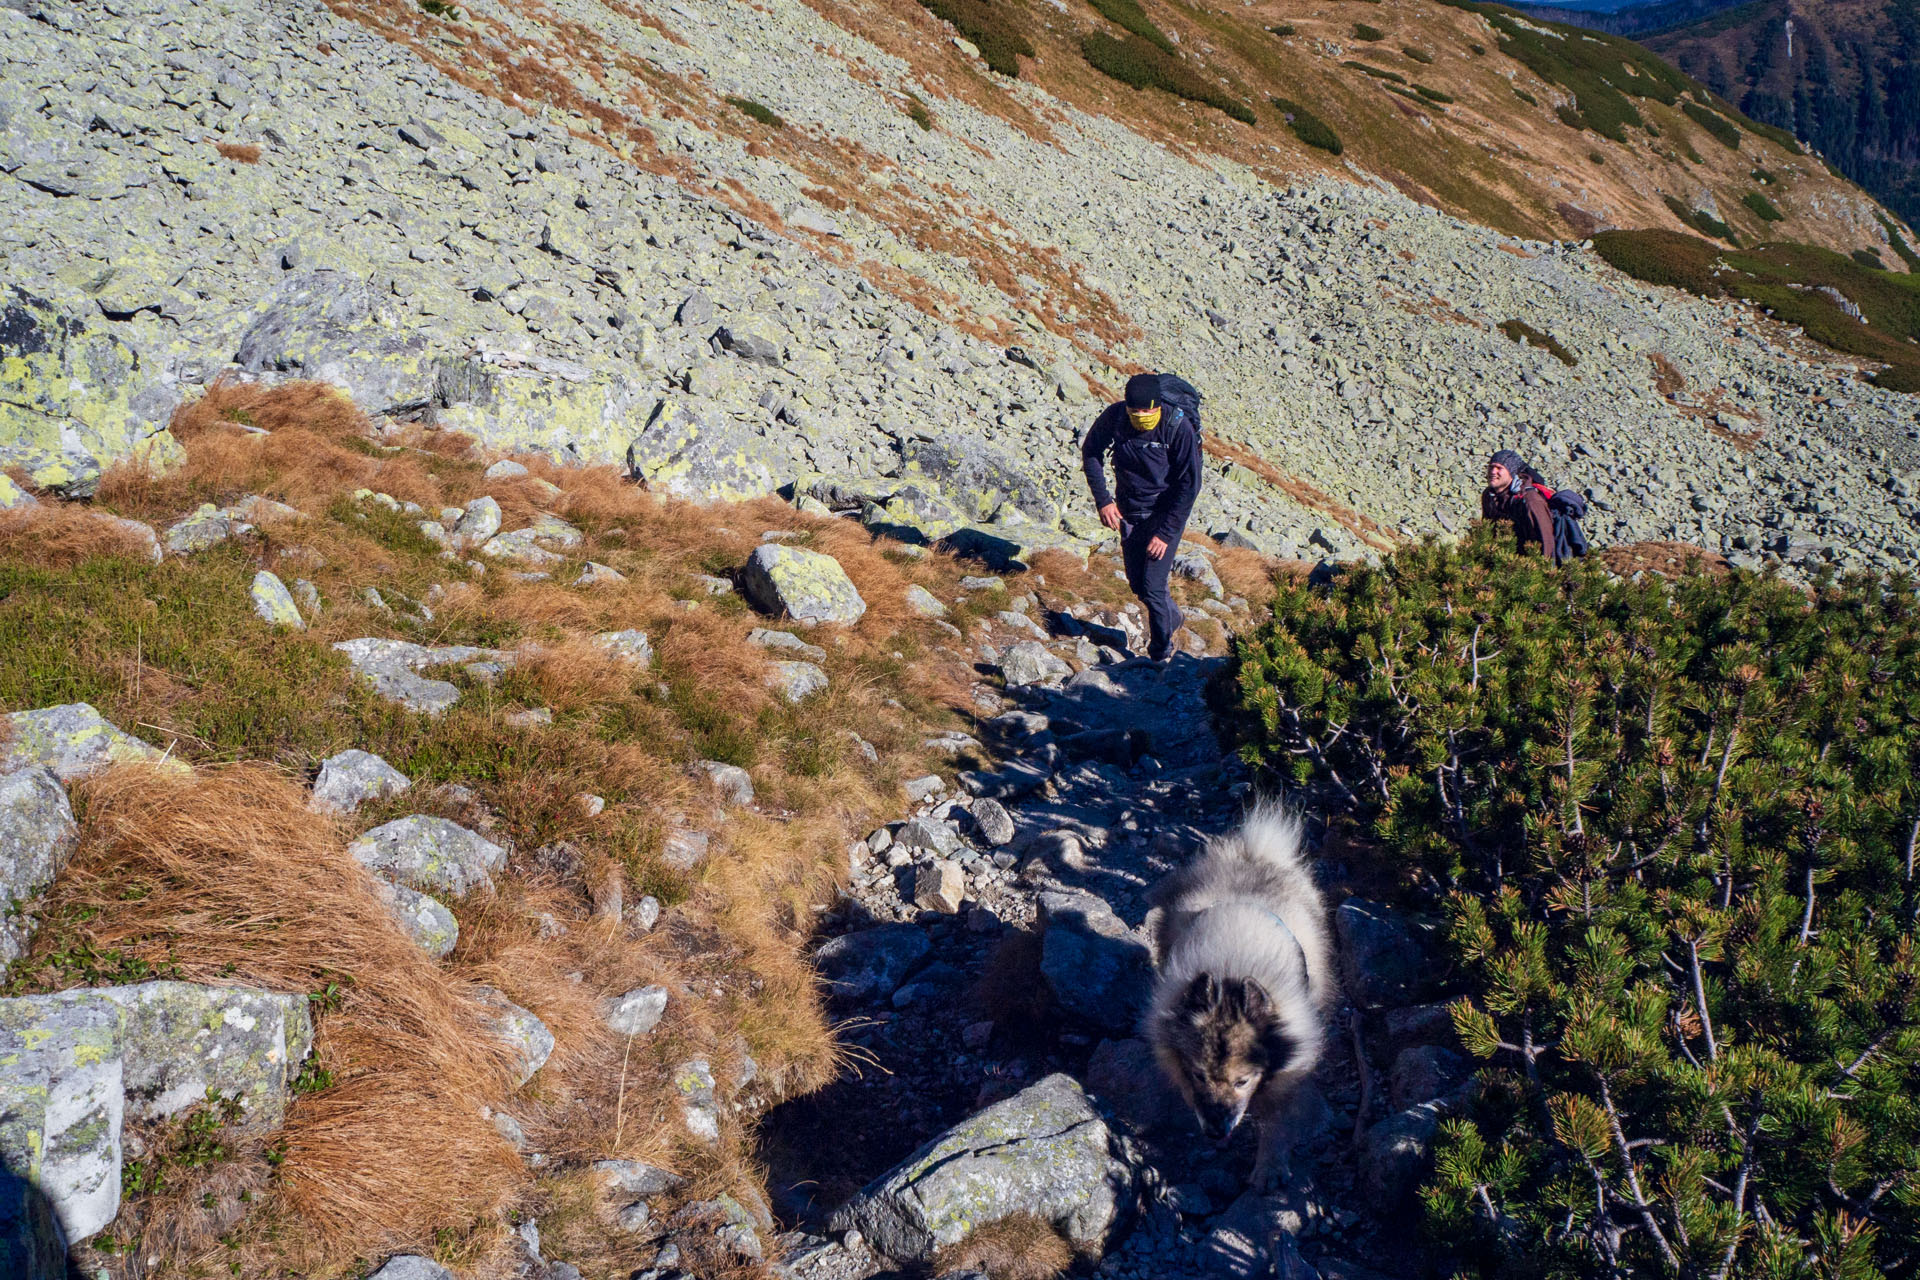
924	602
61	1110
1031	662
74	741
13	497
796	681
629	646
392	668
691	449
531	1041
807	585
184	1043
699	1107
1044	1151
425	920
37	836
638	1011
274	603
430	854
353	778
207	526
479	522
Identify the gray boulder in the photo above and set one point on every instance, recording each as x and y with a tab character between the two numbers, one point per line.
1397	1152
807	585
994	822
37	836
411	1266
754	340
638	1011
1044	1151
629	646
430	854
872	963
1096	967
478	523
1424	1072
733	782
392	668
274	603
939	886
691	449
354	778
796	681
988	477
184	1043
425	920
62	1105
635	1178
74	741
529	1038
924	602
1031	662
1196	569
928	835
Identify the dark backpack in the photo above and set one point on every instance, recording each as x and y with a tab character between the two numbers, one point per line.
1569	508
1182	395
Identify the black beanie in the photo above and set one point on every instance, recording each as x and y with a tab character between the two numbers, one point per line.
1512	461
1143	391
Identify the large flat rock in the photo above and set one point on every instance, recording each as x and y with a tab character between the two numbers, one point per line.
810	587
74	741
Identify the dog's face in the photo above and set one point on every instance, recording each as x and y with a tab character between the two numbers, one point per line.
1219	1044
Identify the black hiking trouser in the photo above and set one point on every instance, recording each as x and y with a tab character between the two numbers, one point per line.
1148	579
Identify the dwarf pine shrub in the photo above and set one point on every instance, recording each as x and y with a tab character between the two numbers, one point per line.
1674	827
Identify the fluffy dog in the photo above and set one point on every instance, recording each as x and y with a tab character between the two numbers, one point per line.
1245	981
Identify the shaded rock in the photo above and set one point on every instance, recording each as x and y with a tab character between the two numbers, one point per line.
1196	569
207	526
1416	1023
1096	967
939	886
638	1012
433	928
753	339
733	782
1423	1073
796	681
1044	1151
810	587
1383	962
635	1178
531	1041
1009	782
37	836
1031	662
630	646
1124	1076
353	778
430	854
1254	1238
872	963
73	741
1397	1152
274	603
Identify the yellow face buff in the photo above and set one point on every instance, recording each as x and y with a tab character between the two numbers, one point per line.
1144	419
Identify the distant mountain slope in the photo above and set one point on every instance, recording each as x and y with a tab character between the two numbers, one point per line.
1632	19
1844	75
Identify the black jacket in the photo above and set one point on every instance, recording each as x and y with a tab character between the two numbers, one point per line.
1157	472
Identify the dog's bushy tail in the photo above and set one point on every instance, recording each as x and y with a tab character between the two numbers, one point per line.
1273	834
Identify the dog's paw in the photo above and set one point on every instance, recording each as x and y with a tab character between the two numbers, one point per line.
1270	1175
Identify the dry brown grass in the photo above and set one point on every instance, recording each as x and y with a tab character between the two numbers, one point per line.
1668	559
226	878
1670	382
1367	529
1020	1246
54	535
239	152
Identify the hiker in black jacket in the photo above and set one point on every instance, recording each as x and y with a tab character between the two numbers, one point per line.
1156	469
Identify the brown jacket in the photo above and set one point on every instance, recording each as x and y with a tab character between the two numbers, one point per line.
1526	510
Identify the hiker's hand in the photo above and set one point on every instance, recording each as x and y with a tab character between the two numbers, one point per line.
1157	549
1110	515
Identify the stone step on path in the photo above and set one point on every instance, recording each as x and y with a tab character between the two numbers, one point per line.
1135	780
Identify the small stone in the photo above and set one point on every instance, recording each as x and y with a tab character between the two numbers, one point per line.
634	1218
927	835
599	575
638	1011
591	805
993	820
919	789
733	782
924	602
636	1178
684	850
699	1109
531	1041
505	469
409	1266
630	646
796	681
433	928
478	523
354	778
1031	662
274	603
431	854
645	913
764	638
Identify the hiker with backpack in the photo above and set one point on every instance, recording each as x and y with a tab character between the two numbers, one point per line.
1153	435
1540	515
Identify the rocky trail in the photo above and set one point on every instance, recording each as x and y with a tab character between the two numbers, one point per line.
1111	779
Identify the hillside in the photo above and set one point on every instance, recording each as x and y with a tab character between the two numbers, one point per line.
1844	75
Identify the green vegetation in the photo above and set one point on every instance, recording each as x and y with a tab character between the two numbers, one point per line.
1282	29
1525	97
1144	65
918	113
1702	221
1764	177
193	1141
1361	31
1377	73
1129	16
440	9
1413	97
1763	208
1520	331
1596	158
1001	44
1668	824
1787	280
1570	116
1308	127
1420	56
756	111
1870	259
1901	248
1432	95
1723	129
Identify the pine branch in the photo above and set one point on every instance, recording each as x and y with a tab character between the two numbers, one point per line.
1639	1202
1700	1000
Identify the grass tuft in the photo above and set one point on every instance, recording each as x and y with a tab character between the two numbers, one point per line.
1361	31
1020	1246
1724	131
1520	331
756	111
